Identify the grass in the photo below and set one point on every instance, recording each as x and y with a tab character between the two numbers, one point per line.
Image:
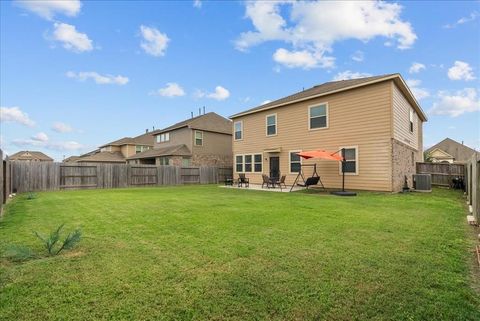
208	253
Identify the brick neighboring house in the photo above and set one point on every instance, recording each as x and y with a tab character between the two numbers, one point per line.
376	119
117	151
204	140
30	156
449	151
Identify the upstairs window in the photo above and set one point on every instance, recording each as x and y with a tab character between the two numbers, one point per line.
165	137
238	133
271	125
198	138
350	155
411	120
141	148
318	117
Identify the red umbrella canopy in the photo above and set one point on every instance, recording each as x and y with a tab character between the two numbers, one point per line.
322	154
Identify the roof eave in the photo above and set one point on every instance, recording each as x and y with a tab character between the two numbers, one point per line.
390	77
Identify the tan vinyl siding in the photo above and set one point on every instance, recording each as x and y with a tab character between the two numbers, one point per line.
401	120
213	144
359	117
177	137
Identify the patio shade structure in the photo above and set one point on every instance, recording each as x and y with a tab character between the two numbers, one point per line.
323	154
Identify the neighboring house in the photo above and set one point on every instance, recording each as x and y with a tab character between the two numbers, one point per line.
117	151
30	156
449	151
376	119
205	140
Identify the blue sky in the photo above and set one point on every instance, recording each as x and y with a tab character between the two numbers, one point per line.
75	75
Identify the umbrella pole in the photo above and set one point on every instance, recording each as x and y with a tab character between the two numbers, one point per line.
343	192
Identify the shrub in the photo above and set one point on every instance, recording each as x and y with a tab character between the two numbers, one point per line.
19	253
31	196
50	242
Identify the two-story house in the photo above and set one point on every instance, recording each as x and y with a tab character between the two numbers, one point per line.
377	120
117	151
205	140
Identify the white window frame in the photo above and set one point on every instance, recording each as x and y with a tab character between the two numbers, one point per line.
290	161
163	137
266	125
195	137
251	163
411	123
357	167
241	130
326	115
243	163
261	162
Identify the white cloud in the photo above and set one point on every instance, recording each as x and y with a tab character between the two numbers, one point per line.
172	89
220	93
461	71
197	3
474	15
40	137
462	101
57	146
347	74
315	26
416	67
16	115
60	127
266	102
65	146
47	9
99	79
70	38
418	92
302	59
154	42
358	56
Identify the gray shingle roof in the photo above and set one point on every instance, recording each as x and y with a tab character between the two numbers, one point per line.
208	122
144	139
30	155
322	89
107	157
175	150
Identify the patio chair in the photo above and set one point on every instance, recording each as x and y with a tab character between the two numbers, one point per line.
281	181
266	181
242	180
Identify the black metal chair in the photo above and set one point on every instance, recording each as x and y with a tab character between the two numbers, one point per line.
242	180
266	181
281	181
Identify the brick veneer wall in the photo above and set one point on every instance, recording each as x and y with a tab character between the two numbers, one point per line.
402	165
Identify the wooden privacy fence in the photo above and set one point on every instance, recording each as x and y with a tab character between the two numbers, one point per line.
44	176
442	173
472	184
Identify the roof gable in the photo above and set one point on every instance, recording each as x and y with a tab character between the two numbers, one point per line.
438	153
460	152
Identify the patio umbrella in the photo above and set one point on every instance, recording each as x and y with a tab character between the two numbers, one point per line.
323	154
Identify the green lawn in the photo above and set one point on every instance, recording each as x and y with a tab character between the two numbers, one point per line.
208	253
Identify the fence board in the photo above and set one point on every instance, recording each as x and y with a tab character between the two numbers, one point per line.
44	176
442	173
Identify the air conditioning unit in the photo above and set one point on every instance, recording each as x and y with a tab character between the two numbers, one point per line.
422	182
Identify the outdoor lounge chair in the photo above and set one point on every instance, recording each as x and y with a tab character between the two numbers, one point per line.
242	180
310	181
